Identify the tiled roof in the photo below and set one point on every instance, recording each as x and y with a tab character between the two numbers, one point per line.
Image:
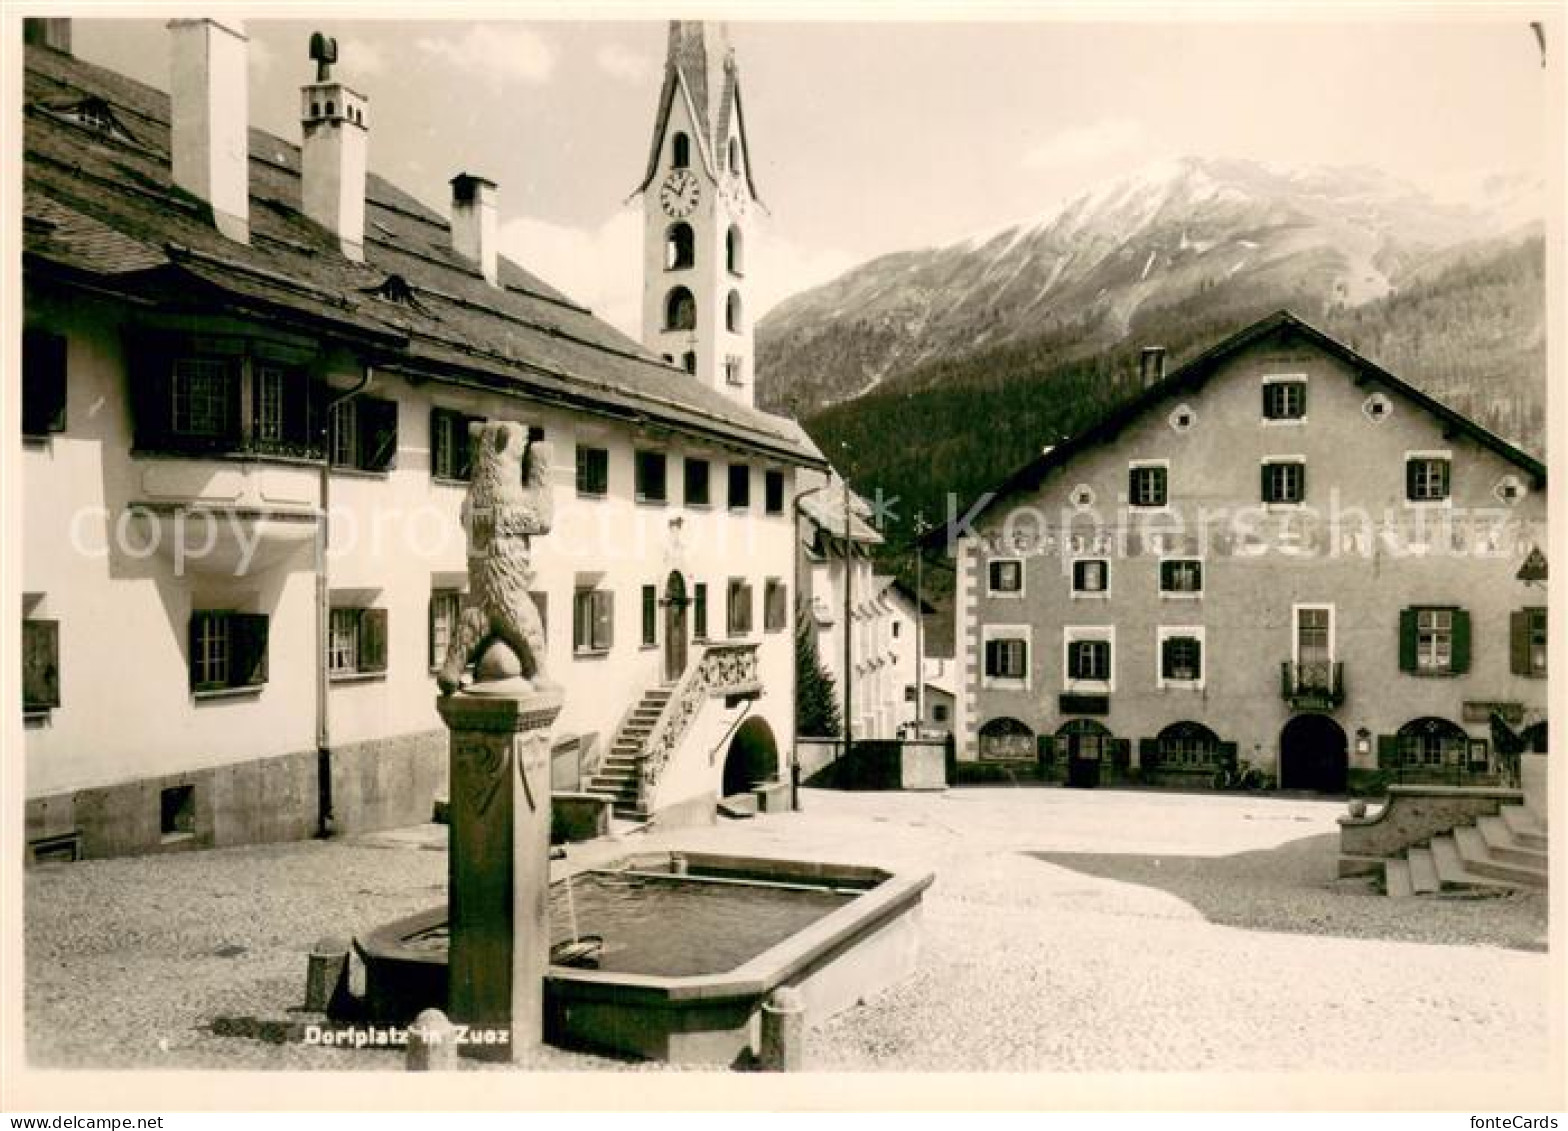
100	202
826	509
1196	371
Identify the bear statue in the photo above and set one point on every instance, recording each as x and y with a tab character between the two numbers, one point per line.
508	502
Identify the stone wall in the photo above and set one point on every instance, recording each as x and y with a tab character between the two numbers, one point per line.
1412	815
387	782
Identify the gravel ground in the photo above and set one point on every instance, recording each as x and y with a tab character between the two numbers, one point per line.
1104	931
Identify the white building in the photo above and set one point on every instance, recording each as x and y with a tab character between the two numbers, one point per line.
249	370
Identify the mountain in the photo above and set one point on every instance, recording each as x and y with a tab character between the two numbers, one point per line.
1215	235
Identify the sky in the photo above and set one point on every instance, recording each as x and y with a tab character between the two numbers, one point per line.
880	135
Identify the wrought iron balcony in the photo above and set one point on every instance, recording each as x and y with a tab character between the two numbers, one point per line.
1314	686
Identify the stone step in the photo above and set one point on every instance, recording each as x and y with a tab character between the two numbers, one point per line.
1478	860
738	806
1396	879
1452	872
1423	871
1527	830
1501	843
620	787
623	762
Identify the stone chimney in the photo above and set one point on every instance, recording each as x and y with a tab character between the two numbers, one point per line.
1151	366
209	119
474	224
334	153
55	33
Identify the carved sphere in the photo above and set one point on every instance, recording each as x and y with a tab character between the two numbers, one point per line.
497	662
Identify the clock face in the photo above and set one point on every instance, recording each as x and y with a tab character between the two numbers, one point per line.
734	194
679	193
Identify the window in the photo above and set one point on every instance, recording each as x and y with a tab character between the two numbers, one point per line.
1284	400
364	434
593	621
227	650
356	642
1005	576
1189	746
1007	658
732	316
1148	485
773	492
177	812
1181	657
445	607
699	611
680	151
1183	576
40	665
734	370
896	627
775	614
734	153
269	404
650	616
1089	660
740	487
43	383
205	398
593	471
689	361
740	607
734	250
449	454
680	310
1091	576
939	712
1427	478
1527	642
1284	481
696	494
1434	641
1432	742
680	247
650	477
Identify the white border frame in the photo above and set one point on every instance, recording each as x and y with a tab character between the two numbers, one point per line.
1295	629
1007	594
1284	379
1181	595
1165	632
1077	594
1447	501
1072	634
1024	632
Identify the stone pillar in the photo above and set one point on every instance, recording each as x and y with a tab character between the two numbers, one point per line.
498	868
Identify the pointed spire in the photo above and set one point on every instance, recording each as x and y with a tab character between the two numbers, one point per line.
701	52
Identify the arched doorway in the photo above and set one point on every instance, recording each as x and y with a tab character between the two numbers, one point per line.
1313	754
1086	746
674	626
753	758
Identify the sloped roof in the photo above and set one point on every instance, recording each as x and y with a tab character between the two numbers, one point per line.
100	206
825	508
700	68
1196	371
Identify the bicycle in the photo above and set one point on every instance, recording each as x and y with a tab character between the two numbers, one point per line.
1243	776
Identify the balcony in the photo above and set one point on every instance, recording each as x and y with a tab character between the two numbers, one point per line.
1314	686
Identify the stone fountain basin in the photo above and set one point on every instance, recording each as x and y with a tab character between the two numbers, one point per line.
862	937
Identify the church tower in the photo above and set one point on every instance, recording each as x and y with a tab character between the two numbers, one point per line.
698	206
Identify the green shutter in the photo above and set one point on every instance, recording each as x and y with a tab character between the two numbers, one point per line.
1519	642
1407	640
582	620
1264	486
1268	405
430	632
248	633
372	640
1461	651
377	434
604	619
1228	754
1148	753
650	599
1388	751
1410	478
43	383
991	653
1121	752
40	664
1301	482
1045	749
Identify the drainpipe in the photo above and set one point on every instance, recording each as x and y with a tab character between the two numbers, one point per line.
794	757
324	615
849	564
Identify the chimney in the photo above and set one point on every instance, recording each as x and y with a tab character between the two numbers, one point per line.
209	119
53	33
1151	366
473	224
333	155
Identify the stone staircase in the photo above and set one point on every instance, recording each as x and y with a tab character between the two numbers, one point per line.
1493	856
617	777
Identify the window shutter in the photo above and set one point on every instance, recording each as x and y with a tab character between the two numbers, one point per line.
430	632
1045	749
378	434
1410	478
1268	404
1301	483
604	619
1407	640
43	383
1148	752
582	620
1519	642
1388	751
992	652
1264	488
1461	650
149	359
193	646
1121	752
438	461
464	457
1228	754
372	640
699	616
1167	654
40	664
1132	486
249	634
1197	657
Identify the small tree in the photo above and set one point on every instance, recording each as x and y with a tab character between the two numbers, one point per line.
816	695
